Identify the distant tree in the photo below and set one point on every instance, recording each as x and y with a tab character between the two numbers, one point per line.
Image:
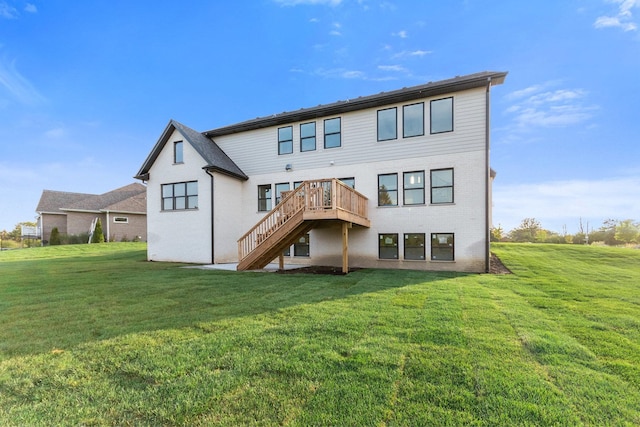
54	239
384	199
98	235
497	234
527	231
627	231
606	233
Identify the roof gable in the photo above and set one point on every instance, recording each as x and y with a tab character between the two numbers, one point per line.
215	158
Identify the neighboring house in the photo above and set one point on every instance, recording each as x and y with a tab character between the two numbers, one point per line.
400	179
122	212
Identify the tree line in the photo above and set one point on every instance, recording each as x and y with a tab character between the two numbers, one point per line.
612	232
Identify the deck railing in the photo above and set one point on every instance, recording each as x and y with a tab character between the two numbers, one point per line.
314	195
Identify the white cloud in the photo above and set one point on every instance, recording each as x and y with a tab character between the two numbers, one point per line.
536	106
402	34
397	68
411	53
558	203
17	86
31	8
623	19
7	11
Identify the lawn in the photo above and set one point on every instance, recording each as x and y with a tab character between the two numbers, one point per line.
95	335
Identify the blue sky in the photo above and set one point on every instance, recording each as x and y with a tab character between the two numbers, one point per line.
86	88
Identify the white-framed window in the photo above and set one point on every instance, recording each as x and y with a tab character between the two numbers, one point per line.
121	220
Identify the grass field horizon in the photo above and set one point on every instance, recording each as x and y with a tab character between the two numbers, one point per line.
95	335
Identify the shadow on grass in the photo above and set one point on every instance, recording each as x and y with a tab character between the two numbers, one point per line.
58	303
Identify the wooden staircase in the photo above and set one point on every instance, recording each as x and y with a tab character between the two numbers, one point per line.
298	212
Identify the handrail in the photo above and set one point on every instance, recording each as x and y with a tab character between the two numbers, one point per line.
310	195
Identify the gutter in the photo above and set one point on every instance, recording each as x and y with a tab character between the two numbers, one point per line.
212	218
487	177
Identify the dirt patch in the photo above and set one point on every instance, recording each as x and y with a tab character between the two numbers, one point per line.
497	267
317	269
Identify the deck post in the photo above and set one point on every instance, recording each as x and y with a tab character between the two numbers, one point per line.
345	247
281	262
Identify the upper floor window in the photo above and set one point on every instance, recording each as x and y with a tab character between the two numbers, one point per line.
413	120
279	189
264	198
285	140
388	189
332	133
178	156
308	136
179	196
414	188
442	186
442	115
387	124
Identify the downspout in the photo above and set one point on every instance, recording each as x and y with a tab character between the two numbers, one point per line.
108	224
213	259
487	177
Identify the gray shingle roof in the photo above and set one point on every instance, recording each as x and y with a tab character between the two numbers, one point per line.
130	198
430	89
214	157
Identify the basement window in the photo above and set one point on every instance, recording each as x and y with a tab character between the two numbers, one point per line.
121	219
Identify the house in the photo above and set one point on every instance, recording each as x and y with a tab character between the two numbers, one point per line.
122	212
399	179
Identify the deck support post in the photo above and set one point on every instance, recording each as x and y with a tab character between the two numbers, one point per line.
281	262
345	246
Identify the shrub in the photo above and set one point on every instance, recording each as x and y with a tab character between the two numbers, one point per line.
98	235
54	239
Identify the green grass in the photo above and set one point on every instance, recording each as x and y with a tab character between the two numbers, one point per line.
95	335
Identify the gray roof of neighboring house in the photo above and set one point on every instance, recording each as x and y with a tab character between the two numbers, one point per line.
430	89
215	158
130	198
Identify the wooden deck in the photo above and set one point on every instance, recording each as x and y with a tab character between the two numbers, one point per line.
298	212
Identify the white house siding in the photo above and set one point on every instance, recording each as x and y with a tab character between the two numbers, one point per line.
179	235
361	156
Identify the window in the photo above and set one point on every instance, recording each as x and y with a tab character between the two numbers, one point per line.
414	246
332	138
264	198
285	140
414	188
297	184
301	246
121	219
413	120
442	186
388	189
178	156
279	189
308	136
387	124
388	246
442	115
442	247
351	182
179	196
